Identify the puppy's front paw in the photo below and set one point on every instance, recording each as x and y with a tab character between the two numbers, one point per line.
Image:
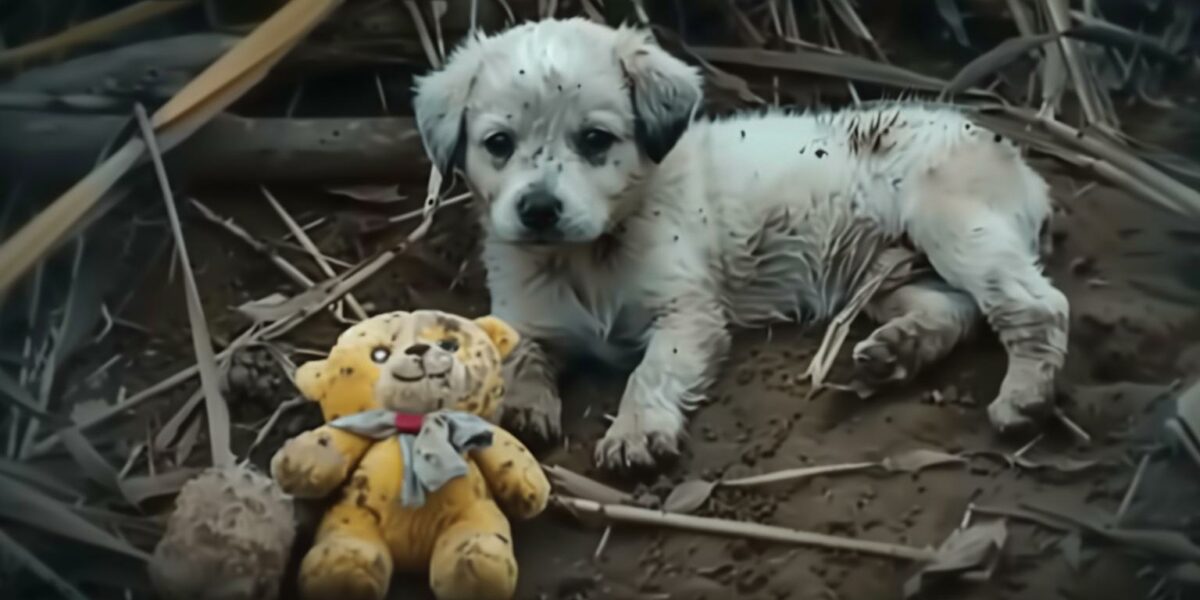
533	413
643	439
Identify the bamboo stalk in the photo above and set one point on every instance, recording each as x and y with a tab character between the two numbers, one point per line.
96	29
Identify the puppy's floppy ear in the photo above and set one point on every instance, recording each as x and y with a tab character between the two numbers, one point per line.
665	91
440	106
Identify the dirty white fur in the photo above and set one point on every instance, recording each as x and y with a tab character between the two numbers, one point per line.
745	221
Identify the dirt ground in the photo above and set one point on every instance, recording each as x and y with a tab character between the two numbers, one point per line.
1124	266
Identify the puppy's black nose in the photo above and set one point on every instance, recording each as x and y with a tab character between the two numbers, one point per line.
417	350
539	210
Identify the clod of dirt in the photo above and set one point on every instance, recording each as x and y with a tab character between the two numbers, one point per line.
228	539
254	378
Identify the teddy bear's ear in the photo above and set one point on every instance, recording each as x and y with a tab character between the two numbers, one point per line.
308	379
502	334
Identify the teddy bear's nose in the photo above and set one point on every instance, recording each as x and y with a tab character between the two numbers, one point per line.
417	350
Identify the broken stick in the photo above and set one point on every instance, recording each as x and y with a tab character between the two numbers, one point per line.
645	516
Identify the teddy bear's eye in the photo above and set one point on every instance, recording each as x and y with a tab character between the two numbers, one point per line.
449	345
380	354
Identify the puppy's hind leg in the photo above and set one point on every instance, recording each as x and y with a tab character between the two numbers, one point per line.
986	255
531	405
921	323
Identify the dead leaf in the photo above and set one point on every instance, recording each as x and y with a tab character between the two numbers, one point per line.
1172	544
972	552
1184	426
570	482
39	477
953	17
94	466
23	504
375	194
919	460
893	265
210	378
268	308
850	18
187	443
139	489
1062	464
16	555
845	66
688	496
1166	544
170	431
992	61
22	399
1072	549
89	409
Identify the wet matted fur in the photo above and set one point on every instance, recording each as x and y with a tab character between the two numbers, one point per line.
618	224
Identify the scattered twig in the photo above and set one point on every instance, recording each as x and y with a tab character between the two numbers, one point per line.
1072	426
603	543
259	246
891	267
312	249
1131	493
96	29
415	213
644	516
270	424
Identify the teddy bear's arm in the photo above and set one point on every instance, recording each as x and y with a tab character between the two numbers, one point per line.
314	463
514	475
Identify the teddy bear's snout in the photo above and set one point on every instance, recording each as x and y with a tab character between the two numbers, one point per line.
422	360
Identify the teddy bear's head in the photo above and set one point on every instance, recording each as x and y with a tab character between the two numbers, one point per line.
415	362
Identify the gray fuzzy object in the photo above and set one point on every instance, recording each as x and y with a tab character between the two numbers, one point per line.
229	538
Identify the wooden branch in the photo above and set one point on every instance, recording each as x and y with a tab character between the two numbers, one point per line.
61	147
90	31
645	516
304	150
162	65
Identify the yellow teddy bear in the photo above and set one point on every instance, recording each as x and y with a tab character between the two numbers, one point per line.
408	399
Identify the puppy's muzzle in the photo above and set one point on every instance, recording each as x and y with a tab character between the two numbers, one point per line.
420	361
539	212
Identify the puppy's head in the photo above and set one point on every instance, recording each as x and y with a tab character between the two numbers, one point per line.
555	123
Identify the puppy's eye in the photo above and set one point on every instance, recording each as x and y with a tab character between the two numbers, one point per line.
380	354
500	145
596	141
449	345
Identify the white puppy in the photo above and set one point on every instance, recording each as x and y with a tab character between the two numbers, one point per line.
618	225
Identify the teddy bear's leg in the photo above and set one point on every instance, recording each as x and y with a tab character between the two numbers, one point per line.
473	558
350	560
